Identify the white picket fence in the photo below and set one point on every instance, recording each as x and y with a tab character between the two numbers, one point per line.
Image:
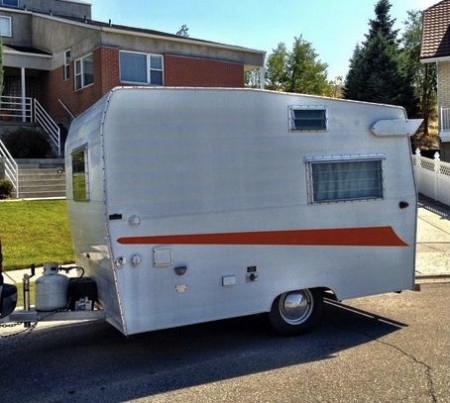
432	177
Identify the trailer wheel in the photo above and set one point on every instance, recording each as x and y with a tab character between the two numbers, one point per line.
296	312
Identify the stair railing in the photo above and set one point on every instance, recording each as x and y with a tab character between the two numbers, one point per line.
11	168
27	109
48	124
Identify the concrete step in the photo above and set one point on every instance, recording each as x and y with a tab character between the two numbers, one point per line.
42	195
38	174
40	163
40	171
42	186
41	182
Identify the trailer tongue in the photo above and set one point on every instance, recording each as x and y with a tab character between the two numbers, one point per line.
57	297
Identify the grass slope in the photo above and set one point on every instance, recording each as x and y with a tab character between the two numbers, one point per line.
34	232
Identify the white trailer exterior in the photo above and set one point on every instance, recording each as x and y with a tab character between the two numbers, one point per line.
190	205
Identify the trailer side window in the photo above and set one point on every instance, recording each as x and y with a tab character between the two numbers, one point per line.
345	180
80	183
308	118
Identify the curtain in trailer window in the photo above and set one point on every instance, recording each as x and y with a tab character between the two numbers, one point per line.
349	180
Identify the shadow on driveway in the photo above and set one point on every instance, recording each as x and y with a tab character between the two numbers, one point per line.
82	360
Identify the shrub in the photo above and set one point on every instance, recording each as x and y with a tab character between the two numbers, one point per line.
6	188
26	143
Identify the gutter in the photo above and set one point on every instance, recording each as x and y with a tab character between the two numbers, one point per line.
435	59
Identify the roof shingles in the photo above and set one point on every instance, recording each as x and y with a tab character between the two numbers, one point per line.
436	31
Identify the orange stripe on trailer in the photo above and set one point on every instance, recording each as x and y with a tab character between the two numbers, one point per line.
370	236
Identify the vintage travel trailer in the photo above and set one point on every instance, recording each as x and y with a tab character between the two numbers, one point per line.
190	205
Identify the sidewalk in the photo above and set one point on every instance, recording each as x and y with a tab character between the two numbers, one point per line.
433	244
433	239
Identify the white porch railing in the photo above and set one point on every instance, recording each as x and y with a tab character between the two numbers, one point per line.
432	177
19	109
445	119
11	168
16	109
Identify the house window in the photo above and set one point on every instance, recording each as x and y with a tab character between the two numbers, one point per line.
308	118
345	179
11	3
67	64
84	72
80	181
5	26
141	68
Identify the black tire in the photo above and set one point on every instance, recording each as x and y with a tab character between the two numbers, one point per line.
296	312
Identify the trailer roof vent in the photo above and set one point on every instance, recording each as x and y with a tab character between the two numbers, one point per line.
307	118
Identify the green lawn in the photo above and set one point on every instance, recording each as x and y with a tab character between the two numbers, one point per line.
34	232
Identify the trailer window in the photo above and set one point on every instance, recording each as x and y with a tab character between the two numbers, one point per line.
311	119
80	183
335	181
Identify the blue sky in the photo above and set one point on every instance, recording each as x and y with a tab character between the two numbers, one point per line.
333	27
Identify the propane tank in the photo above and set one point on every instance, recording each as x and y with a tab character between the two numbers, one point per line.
51	289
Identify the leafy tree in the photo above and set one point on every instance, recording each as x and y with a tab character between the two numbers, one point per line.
297	70
423	75
336	87
307	75
375	73
183	31
276	69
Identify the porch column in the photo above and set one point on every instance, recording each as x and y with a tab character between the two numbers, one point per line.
261	78
23	95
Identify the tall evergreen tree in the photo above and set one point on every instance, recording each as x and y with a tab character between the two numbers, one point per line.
355	79
375	73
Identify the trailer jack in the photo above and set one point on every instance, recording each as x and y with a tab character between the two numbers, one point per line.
26	292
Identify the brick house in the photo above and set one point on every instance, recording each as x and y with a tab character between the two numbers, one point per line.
57	62
53	51
436	49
